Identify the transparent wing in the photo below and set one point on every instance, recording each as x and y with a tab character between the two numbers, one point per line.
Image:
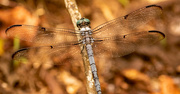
46	42
42	36
43	53
127	24
124	44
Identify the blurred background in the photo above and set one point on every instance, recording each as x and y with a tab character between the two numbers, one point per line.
149	70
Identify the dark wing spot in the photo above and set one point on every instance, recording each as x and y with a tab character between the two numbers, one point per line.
51	47
11	27
153	6
124	36
42	28
125	17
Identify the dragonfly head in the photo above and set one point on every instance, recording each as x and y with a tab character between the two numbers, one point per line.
83	22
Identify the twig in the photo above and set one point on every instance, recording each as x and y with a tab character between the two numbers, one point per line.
75	15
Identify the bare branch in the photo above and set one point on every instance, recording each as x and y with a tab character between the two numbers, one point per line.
75	15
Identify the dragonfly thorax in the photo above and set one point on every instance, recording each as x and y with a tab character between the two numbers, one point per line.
86	35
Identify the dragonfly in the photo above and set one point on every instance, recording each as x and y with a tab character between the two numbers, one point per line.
118	37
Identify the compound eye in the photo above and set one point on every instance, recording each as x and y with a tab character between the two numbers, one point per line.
87	20
79	22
